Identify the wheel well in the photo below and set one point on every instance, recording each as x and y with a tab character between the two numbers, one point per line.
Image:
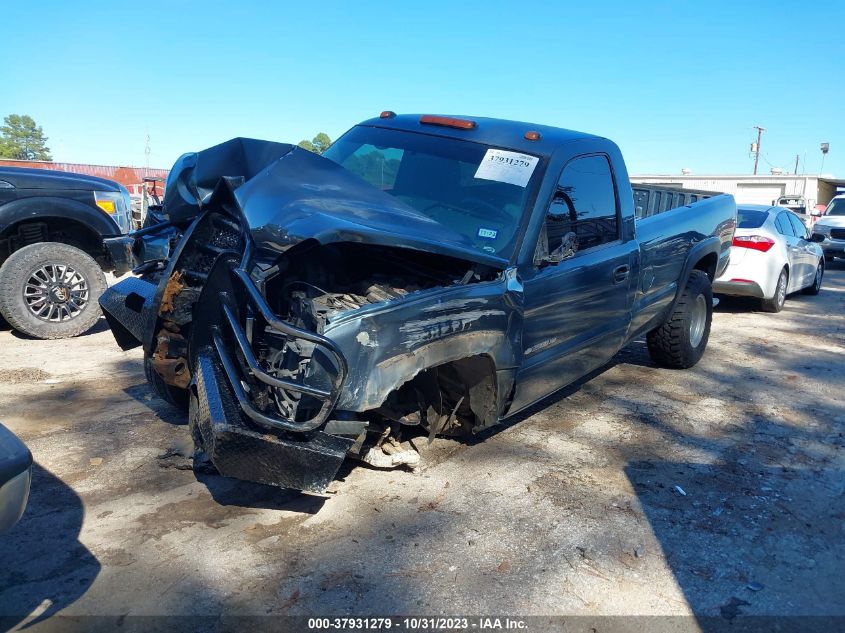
71	232
707	265
458	397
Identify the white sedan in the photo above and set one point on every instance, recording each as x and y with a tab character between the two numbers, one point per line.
772	255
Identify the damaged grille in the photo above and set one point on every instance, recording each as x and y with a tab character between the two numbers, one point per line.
281	382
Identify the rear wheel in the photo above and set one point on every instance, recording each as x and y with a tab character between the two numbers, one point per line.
50	290
817	281
775	303
680	342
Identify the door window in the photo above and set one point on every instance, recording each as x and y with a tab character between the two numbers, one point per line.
583	211
784	226
797	226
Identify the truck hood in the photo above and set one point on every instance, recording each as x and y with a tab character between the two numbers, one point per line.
32	178
833	221
288	195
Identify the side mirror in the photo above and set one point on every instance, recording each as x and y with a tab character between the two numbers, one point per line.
817	237
815	212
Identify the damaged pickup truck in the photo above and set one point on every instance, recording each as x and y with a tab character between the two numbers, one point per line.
427	275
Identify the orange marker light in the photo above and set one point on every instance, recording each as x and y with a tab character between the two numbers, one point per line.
445	121
387	114
106	205
532	136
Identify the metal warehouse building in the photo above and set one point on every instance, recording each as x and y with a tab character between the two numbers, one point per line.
759	189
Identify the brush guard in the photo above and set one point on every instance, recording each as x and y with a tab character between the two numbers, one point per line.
233	368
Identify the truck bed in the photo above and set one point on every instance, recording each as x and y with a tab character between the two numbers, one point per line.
651	200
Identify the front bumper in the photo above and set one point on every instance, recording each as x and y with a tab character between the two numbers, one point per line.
134	250
833	247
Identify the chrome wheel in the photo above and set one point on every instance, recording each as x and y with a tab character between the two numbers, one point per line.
55	293
697	320
780	292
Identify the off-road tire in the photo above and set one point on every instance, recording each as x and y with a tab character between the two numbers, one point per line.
817	281
176	396
775	303
669	344
19	268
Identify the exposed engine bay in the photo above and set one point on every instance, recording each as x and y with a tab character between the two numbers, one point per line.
313	283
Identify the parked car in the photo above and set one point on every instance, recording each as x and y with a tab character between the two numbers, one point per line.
831	226
15	478
772	256
52	257
426	271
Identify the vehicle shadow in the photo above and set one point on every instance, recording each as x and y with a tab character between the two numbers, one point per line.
44	567
235	492
143	393
100	326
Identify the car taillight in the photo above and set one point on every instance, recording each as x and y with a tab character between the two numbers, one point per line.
754	242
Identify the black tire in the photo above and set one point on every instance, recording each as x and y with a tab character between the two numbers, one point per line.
681	340
817	280
176	396
775	303
58	293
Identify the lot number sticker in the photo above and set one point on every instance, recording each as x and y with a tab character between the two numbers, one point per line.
503	166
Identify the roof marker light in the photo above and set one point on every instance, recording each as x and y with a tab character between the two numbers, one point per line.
387	114
445	121
532	136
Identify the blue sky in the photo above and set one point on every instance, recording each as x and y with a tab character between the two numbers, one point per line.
675	84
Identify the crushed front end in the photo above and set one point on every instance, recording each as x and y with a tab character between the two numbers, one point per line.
297	328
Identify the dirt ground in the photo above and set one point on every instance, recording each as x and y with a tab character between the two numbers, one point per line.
714	491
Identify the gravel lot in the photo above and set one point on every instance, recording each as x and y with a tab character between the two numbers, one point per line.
712	491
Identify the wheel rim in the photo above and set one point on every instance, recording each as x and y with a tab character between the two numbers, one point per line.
781	289
56	293
698	318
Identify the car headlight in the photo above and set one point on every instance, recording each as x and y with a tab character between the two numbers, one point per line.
116	204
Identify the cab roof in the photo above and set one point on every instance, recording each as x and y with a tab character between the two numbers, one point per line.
496	132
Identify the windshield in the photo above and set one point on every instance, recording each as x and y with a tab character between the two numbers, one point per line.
750	219
836	207
468	187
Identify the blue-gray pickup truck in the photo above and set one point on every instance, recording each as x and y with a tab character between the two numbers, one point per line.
427	275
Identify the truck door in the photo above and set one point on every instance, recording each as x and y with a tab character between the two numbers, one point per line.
577	311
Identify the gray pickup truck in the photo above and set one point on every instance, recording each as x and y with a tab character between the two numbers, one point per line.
427	275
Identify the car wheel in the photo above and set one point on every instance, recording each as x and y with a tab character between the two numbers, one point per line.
817	280
775	303
680	341
50	290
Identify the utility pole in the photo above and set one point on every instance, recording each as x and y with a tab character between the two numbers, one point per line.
795	171
757	152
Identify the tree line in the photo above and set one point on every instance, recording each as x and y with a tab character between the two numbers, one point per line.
22	139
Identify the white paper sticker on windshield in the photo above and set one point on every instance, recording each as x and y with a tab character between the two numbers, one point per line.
503	166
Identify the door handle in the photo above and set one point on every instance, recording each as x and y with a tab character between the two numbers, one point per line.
620	274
